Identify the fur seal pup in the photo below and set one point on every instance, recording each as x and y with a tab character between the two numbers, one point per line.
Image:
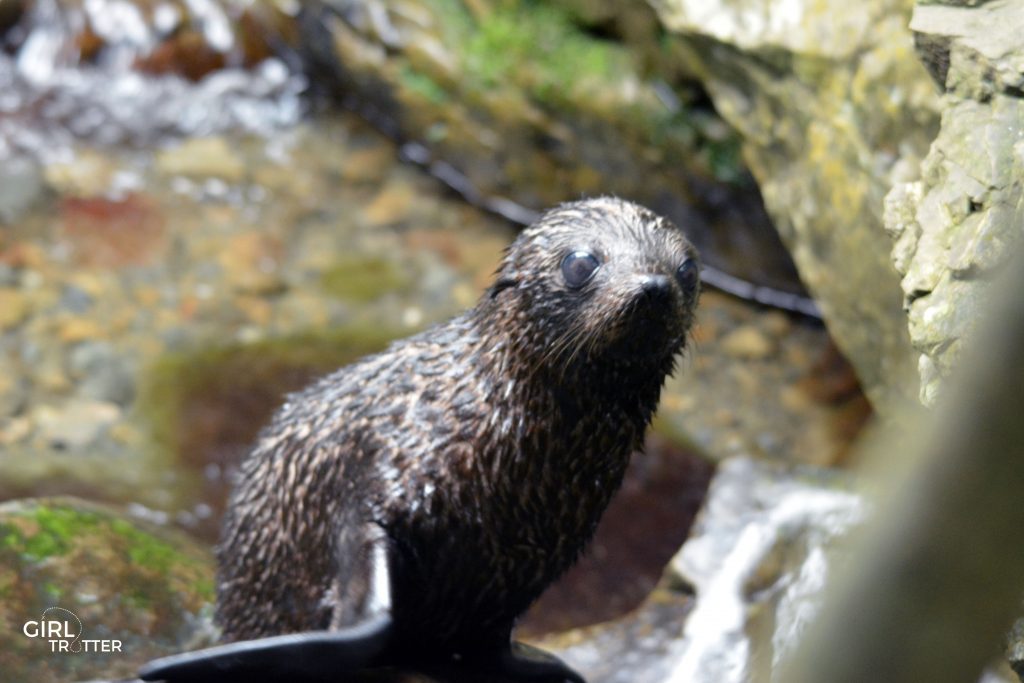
407	508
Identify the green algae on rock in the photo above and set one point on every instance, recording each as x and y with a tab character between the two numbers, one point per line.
147	587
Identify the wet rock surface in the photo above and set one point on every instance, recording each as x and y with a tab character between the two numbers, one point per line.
955	226
833	107
757	559
637	648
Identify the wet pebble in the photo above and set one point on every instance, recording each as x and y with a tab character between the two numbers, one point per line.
748	342
21	185
251	262
103	373
13	392
75	299
74	425
14	308
201	158
8	275
14	430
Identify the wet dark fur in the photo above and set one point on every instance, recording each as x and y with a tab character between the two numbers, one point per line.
486	448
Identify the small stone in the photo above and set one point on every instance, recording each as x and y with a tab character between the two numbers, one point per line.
748	342
75	330
75	425
14	308
776	323
89	174
391	205
21	185
252	263
100	231
257	311
369	165
202	157
104	373
13	392
14	429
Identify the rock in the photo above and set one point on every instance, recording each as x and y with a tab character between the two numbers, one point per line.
758	557
955	226
101	231
21	186
103	373
202	158
391	205
637	648
14	430
1015	647
520	106
748	342
75	425
252	263
113	578
831	102
14	308
13	391
88	174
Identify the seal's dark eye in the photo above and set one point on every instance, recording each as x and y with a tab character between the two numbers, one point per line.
578	267
687	275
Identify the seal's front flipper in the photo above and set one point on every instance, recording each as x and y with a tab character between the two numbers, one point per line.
359	634
313	656
521	662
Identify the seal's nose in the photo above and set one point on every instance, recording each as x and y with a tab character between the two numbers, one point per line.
656	286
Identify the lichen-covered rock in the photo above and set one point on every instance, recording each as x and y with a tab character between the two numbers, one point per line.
127	591
953	227
833	106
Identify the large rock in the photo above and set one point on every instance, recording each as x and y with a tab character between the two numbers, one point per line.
954	226
833	106
758	557
519	106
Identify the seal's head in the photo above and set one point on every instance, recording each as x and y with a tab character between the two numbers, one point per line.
597	281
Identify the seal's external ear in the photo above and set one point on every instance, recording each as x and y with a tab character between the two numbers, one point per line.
502	283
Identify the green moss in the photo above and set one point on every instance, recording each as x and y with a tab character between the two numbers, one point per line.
361	280
424	86
144	550
535	46
57	529
204	587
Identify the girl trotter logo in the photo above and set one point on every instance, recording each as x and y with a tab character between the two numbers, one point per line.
62	629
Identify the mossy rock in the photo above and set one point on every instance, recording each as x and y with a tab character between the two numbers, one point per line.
147	587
